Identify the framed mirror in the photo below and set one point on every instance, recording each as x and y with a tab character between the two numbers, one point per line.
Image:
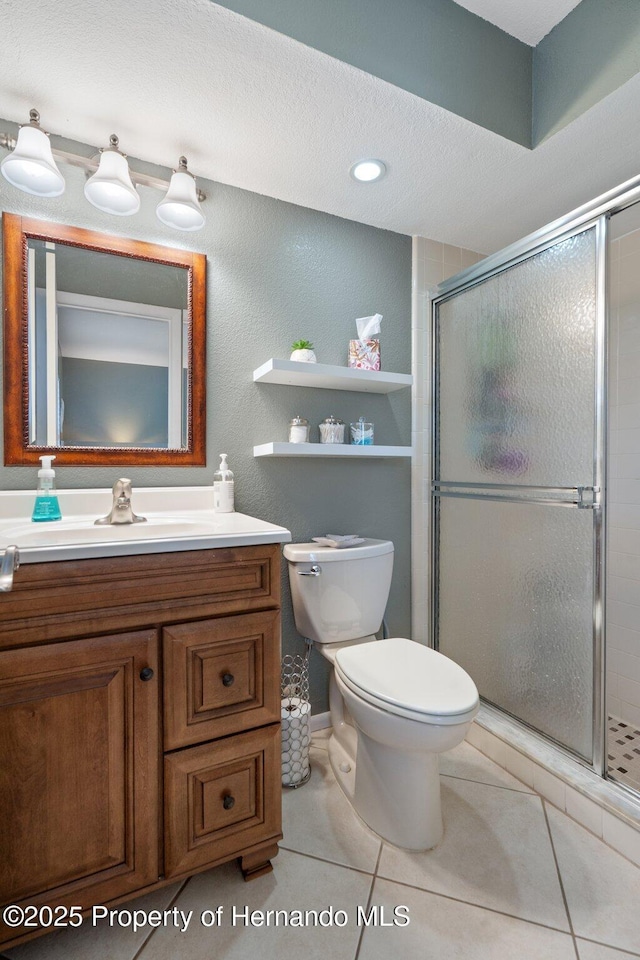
104	348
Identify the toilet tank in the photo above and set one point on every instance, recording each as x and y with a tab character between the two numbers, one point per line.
347	597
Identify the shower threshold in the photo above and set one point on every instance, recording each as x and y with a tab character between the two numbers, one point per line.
555	774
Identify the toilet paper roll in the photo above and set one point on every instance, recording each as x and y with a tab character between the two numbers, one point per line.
294	708
296	722
295	738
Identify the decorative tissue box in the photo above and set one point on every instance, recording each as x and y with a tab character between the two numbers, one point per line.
364	354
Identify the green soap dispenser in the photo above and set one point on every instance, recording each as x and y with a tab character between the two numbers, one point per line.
46	506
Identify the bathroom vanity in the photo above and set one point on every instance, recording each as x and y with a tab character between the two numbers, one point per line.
139	715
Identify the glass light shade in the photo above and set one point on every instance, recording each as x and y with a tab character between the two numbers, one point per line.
180	208
31	167
110	188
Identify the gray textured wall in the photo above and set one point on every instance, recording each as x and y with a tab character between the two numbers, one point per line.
277	272
586	56
433	48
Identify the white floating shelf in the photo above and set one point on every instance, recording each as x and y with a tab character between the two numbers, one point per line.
372	451
296	374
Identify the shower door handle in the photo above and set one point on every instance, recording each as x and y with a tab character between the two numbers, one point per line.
589	498
582	497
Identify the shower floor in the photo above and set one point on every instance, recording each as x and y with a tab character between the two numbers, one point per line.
623	753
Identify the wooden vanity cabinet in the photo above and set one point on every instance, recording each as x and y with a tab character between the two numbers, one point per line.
139	724
78	769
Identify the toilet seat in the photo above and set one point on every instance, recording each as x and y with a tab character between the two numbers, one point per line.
409	680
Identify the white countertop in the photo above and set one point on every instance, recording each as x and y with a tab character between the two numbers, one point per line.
178	518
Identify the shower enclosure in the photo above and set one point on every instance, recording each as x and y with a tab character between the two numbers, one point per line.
534	380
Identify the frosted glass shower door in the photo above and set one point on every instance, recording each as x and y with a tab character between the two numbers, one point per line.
516	486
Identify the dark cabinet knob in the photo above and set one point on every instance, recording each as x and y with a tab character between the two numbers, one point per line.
228	802
228	679
146	673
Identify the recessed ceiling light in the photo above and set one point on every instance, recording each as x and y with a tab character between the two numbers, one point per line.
368	170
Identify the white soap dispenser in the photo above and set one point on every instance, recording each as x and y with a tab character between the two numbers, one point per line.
223	487
46	506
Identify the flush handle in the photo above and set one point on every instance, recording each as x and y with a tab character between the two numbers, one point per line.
315	571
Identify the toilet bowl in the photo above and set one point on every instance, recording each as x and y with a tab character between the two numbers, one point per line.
395	704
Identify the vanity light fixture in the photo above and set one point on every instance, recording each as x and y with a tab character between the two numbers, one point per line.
180	208
111	187
366	171
31	167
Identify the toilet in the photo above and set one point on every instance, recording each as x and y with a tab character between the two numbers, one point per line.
395	704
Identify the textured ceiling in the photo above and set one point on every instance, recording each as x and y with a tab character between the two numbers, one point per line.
528	20
255	109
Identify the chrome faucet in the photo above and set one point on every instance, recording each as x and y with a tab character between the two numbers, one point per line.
9	563
121	511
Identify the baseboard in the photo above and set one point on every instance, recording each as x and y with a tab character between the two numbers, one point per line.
320	721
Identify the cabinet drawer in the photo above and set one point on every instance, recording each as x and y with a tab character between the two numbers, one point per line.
74	597
221	798
220	677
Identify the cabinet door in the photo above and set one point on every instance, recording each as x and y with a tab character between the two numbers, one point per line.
78	770
221	799
221	676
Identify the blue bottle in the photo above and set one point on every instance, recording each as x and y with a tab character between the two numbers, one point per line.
46	506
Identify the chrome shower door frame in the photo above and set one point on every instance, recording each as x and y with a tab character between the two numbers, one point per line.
591	216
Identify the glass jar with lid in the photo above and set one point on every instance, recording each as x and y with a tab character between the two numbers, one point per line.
299	430
361	432
332	430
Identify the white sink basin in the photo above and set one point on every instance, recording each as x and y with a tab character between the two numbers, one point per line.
81	530
178	518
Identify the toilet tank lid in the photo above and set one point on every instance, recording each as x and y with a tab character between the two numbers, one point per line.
316	553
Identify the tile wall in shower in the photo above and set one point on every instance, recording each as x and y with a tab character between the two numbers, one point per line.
623	570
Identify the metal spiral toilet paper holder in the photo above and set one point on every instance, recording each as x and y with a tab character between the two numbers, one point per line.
296	719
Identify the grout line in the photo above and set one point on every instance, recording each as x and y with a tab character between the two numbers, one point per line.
313	856
478	906
530	792
368	907
168	907
375	869
562	890
599	943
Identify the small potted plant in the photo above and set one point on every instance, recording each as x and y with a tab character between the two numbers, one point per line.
303	351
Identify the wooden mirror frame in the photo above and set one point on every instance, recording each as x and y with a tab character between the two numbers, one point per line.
17	231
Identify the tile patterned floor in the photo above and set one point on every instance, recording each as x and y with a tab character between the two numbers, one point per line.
513	877
624	753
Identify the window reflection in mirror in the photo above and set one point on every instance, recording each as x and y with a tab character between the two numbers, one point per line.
106	371
104	343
